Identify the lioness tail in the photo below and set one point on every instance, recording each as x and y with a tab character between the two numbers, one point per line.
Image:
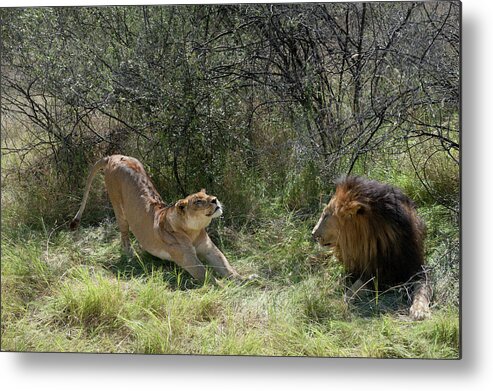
74	224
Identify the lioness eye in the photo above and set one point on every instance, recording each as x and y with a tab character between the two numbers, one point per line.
199	202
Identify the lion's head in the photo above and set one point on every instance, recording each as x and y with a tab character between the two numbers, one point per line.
373	229
344	226
199	209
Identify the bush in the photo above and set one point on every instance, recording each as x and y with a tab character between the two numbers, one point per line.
304	190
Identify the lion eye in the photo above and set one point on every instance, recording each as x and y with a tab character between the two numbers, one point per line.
199	202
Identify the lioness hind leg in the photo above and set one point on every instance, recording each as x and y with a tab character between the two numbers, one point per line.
420	308
122	222
124	232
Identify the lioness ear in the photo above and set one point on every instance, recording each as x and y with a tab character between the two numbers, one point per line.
181	204
202	191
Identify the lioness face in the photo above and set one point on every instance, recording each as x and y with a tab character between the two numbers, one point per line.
200	208
326	232
203	204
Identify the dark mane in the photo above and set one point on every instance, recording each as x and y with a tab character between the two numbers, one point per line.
390	223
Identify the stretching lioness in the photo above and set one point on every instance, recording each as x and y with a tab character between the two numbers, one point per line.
175	232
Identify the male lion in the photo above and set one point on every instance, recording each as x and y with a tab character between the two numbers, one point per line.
376	233
174	232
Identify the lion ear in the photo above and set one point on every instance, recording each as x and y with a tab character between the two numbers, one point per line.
202	191
181	205
354	207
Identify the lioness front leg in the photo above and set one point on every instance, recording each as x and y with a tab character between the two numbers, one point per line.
185	257
215	258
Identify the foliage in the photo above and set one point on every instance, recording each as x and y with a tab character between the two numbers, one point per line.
192	89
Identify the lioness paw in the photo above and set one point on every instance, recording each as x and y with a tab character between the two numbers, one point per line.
240	280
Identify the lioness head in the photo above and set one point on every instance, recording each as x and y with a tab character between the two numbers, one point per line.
199	209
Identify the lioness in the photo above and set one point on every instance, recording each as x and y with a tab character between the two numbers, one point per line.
174	232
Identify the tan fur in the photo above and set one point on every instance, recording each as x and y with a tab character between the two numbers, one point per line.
374	230
174	232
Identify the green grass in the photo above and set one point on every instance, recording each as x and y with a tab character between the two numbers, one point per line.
65	291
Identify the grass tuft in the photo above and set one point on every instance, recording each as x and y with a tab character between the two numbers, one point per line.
89	299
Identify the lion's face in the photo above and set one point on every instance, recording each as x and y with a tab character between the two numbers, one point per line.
327	230
339	214
199	209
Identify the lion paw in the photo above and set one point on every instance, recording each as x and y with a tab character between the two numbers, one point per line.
419	311
348	296
356	291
